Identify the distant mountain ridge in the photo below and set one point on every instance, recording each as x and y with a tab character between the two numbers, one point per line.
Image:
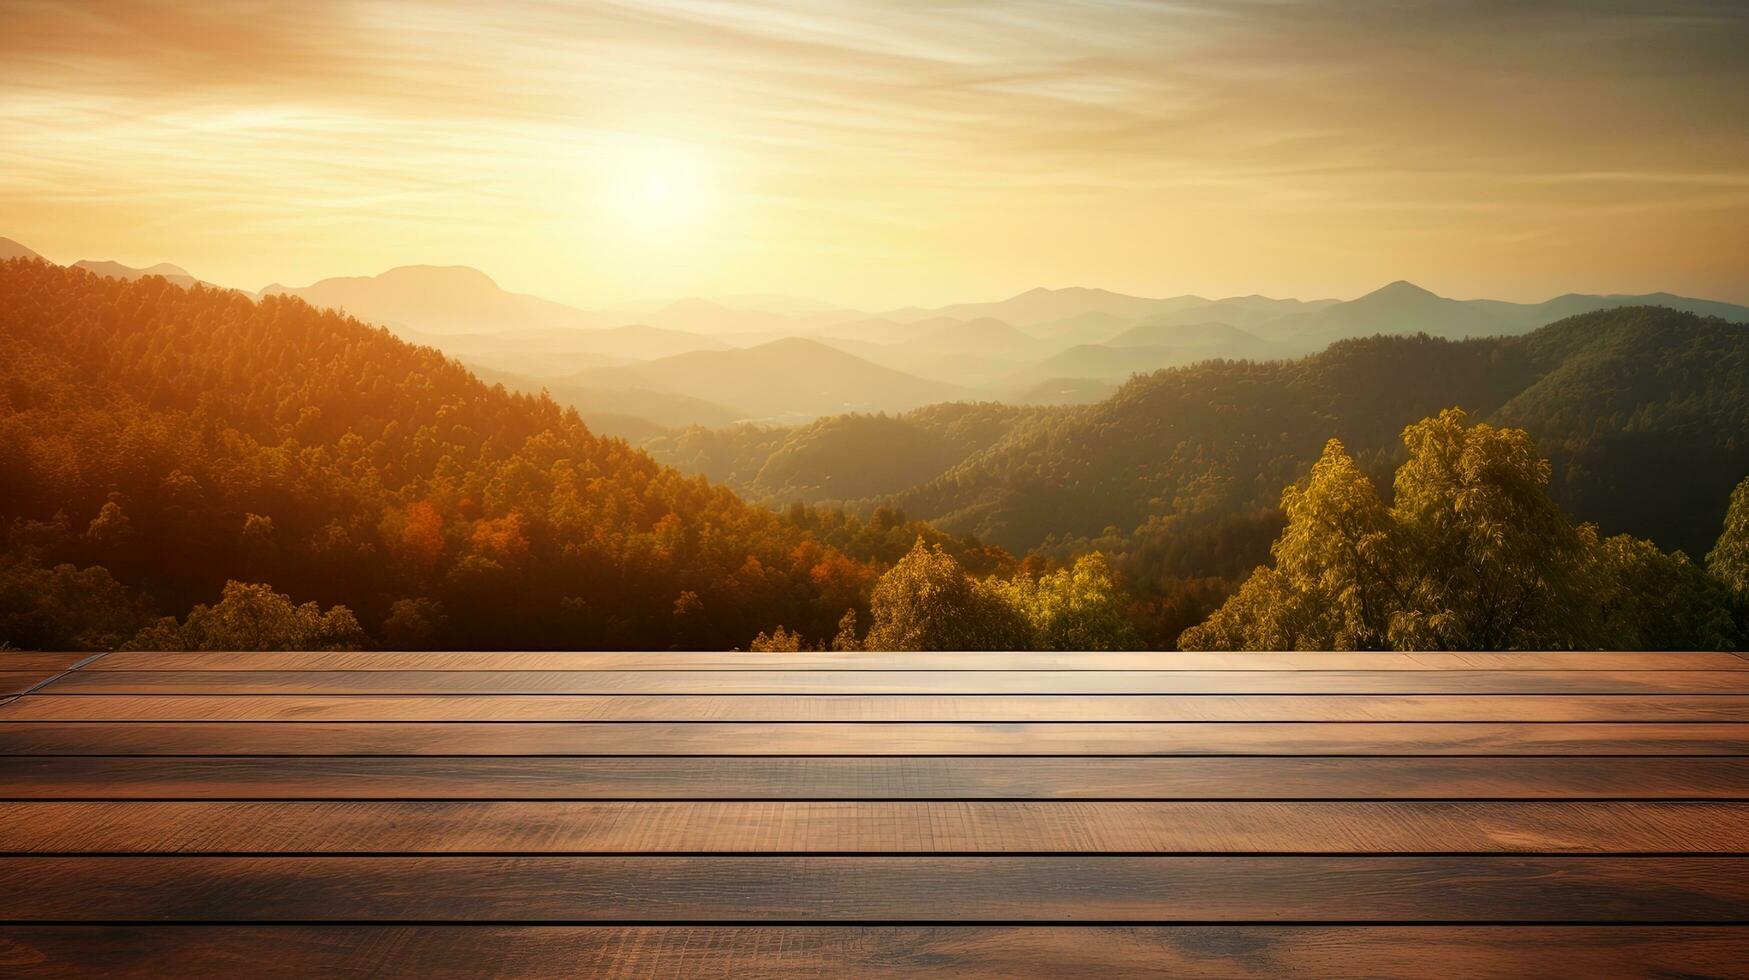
1398	308
115	270
10	249
796	377
1041	305
1074	341
438	300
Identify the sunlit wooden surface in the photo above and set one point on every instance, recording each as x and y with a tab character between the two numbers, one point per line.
716	814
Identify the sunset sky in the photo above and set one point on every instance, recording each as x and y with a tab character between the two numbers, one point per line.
892	151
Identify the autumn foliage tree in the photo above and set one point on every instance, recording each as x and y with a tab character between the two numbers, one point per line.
254	617
160	441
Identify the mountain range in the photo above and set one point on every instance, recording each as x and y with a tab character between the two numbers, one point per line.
778	359
195	437
1610	396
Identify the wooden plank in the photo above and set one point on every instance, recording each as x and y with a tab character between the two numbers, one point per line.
870	828
18	681
898	778
35	660
975	660
864	739
806	952
1465	682
881	889
870	708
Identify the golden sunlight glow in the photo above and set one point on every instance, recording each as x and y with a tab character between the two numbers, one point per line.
886	152
658	191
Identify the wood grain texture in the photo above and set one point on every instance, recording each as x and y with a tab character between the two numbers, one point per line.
427	682
979	660
899	778
38	660
881	889
17	681
1018	816
807	952
862	739
870	708
872	828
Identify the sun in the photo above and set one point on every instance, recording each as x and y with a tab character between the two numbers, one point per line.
660	191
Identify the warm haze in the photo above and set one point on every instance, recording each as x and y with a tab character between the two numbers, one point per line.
999	488
886	153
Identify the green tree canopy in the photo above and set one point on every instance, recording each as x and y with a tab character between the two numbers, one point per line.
1077	608
65	607
1470	554
1729	560
927	602
1649	600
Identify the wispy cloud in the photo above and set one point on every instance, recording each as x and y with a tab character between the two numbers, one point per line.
951	147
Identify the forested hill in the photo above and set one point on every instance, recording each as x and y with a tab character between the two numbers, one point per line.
182	437
1645	414
1644	411
1216	438
841	457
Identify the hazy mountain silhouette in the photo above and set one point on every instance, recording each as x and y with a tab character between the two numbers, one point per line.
954	368
1093	327
439	300
1528	316
115	270
795	378
985	335
1213	339
880	330
1405	308
559	351
703	316
1037	306
1101	362
1245	312
1042	345
1151	346
786	305
10	249
629	413
1399	308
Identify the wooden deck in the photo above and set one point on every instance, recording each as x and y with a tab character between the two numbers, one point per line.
624	814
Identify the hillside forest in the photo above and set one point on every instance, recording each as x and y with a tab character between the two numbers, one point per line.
189	467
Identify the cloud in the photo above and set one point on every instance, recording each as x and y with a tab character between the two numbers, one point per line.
902	121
